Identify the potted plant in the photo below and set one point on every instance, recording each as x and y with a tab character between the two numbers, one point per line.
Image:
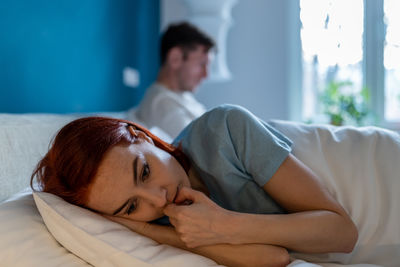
345	106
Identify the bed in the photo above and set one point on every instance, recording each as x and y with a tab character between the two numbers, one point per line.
41	230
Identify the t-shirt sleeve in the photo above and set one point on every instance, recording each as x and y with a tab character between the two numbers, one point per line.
231	137
260	148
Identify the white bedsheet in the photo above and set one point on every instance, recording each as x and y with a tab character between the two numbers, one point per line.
361	168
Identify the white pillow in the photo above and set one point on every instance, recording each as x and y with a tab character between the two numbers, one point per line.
24	239
24	139
101	242
22	229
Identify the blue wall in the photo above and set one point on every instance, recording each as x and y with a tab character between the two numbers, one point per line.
68	55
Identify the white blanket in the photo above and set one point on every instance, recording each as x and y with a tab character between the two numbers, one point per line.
361	168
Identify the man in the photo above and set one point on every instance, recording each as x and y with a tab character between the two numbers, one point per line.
169	103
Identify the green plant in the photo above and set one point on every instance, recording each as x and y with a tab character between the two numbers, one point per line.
345	106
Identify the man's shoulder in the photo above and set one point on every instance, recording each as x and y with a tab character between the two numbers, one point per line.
157	93
156	96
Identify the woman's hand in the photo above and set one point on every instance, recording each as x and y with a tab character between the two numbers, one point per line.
200	223
229	255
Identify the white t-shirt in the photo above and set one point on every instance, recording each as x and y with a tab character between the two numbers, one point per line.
171	111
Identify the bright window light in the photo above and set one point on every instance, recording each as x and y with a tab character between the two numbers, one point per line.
332	44
392	60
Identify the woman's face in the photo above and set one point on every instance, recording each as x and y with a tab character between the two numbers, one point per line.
136	181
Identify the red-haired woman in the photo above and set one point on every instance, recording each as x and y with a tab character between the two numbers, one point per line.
230	186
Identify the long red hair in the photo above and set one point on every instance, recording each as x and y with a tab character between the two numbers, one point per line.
70	165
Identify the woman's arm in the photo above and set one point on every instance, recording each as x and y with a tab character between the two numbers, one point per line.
316	223
230	255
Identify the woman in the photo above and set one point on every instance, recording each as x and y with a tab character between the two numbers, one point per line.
229	185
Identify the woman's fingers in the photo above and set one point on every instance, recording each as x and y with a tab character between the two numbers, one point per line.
201	223
172	211
186	193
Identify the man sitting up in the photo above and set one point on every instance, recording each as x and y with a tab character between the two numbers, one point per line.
169	102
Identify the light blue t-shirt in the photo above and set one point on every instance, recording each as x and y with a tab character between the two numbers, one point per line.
235	154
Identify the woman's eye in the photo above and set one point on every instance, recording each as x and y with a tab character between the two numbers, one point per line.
131	208
145	172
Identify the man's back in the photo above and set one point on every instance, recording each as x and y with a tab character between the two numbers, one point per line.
169	110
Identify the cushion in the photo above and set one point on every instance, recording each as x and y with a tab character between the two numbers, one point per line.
102	242
24	139
25	240
22	229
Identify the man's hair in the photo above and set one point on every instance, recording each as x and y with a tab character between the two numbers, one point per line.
184	35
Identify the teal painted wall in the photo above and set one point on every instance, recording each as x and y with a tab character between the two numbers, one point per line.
68	55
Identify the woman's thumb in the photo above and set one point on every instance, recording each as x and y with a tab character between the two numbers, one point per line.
186	196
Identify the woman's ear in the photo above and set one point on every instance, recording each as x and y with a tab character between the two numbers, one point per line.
175	57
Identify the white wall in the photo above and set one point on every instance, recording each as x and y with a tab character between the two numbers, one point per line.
257	55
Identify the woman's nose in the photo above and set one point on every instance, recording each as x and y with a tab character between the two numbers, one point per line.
157	197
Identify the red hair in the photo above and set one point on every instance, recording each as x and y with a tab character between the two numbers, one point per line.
70	165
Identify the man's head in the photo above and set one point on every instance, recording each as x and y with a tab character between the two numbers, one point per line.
185	52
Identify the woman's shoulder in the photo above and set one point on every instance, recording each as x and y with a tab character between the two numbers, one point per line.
218	120
221	115
237	124
213	124
227	109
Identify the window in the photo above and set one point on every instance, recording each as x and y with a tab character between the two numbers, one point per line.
392	60
351	53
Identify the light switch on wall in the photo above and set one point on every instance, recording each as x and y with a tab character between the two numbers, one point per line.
131	77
